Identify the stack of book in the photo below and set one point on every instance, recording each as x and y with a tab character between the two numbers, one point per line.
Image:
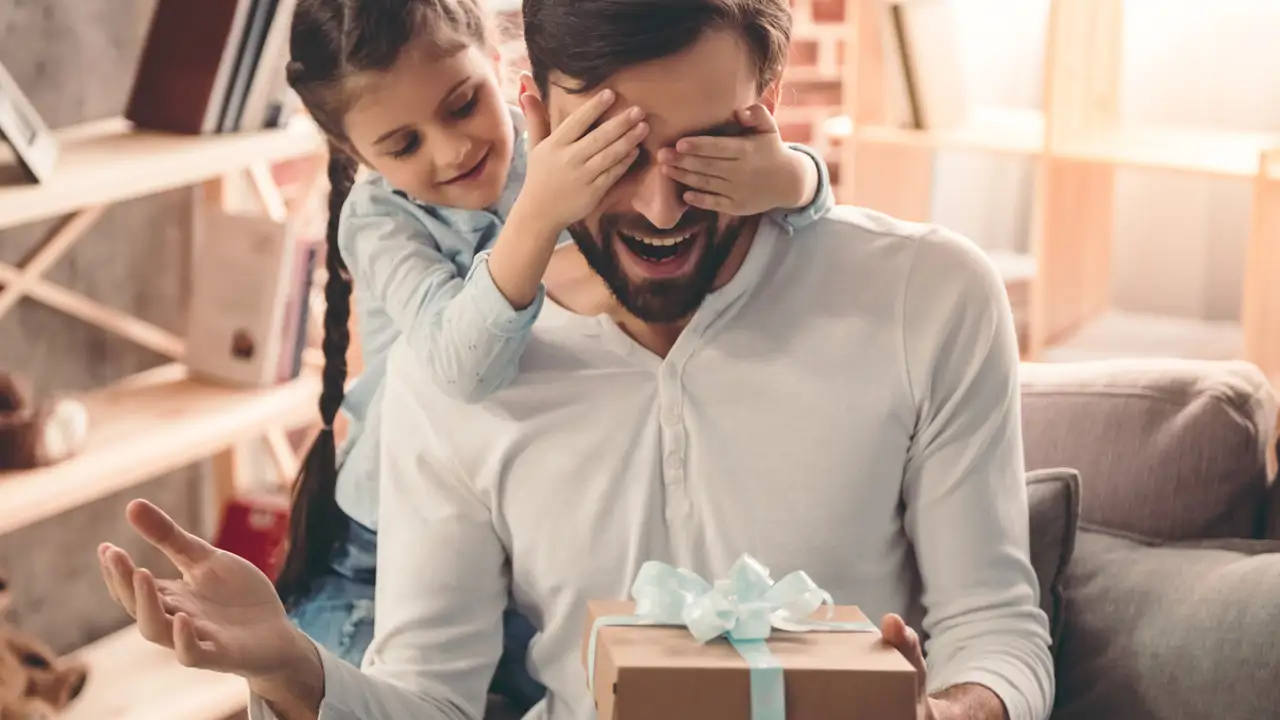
214	66
250	308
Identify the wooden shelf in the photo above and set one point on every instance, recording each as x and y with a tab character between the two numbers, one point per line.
1003	130
1207	152
131	679
147	425
1128	335
107	161
1014	267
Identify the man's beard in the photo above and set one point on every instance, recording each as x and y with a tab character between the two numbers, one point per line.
662	300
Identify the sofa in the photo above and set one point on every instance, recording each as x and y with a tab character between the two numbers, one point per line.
1155	533
1165	598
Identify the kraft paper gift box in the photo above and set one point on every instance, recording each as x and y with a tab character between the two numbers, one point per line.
645	664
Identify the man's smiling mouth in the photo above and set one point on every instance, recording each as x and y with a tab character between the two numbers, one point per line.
656	249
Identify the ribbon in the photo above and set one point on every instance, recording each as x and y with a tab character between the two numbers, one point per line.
745	607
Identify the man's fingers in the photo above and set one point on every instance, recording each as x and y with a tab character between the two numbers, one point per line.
120	571
725	148
106	571
181	547
905	640
154	624
578	122
758	118
698	181
190	649
619	127
605	159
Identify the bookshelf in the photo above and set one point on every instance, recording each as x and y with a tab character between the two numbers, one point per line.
131	679
161	419
1076	141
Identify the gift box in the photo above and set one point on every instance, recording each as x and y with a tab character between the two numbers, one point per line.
686	648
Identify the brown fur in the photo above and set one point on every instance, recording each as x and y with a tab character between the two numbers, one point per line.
34	682
22	426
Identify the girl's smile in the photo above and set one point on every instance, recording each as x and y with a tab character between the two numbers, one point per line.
475	170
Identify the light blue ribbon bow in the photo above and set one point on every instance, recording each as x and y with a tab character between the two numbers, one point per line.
746	607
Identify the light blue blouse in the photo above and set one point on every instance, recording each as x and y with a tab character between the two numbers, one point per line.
422	270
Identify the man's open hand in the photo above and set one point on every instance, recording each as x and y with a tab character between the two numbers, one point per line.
223	614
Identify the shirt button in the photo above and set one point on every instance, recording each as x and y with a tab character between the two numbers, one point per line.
671	417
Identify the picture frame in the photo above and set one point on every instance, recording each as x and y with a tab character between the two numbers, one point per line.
34	145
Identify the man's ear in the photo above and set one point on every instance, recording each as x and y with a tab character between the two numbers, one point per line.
537	121
527	85
772	94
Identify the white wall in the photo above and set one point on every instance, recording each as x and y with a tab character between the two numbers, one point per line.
1179	244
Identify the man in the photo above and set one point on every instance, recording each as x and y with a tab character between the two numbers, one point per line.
843	402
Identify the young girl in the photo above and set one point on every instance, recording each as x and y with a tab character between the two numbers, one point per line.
446	242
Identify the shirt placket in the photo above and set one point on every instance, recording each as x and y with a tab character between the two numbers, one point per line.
674	428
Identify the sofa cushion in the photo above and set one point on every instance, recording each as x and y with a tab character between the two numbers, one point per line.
1273	527
1273	504
1173	449
1169	631
1053	498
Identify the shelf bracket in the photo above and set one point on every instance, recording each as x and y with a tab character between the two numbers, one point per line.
283	457
268	192
55	245
28	281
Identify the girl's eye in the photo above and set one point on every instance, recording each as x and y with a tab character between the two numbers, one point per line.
468	107
409	147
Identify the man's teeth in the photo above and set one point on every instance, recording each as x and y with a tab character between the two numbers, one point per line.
660	242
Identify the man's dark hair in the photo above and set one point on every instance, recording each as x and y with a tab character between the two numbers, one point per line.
590	40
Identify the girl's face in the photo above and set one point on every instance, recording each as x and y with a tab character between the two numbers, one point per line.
437	129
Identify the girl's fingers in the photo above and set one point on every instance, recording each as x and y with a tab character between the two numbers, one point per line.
604	160
699	164
580	120
707	201
154	624
607	178
618	127
725	148
698	181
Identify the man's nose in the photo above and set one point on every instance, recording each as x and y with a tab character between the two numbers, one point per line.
658	198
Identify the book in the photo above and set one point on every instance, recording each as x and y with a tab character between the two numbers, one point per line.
242	276
188	63
927	40
247	64
269	94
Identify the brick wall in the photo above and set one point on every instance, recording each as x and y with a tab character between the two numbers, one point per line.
811	90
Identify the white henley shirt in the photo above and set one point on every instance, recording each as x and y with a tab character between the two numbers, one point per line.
847	405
